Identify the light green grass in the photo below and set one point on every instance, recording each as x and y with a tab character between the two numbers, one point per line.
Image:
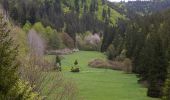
101	84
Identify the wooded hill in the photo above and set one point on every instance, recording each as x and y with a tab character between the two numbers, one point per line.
72	16
143	36
140	7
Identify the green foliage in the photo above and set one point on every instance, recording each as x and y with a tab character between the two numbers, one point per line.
52	37
39	27
27	26
166	89
111	52
55	41
146	41
11	86
166	92
75	70
75	62
20	38
157	62
8	63
23	91
58	60
71	16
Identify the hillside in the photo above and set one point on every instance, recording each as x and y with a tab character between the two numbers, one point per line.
74	17
84	50
132	8
56	11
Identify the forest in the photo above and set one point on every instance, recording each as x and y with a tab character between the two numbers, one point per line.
84	50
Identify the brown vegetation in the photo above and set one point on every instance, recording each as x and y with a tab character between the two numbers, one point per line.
99	63
125	65
36	43
67	40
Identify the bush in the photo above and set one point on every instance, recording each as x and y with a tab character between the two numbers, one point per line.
111	52
27	26
89	42
55	41
24	92
67	40
127	65
75	69
76	63
99	63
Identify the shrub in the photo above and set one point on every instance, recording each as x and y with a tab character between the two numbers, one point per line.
89	42
111	52
20	38
24	92
67	40
75	69
127	65
99	63
27	26
58	60
39	27
76	63
58	63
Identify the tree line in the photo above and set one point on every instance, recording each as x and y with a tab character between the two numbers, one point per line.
71	16
146	41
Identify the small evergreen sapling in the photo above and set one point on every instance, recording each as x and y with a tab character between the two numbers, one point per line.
76	63
58	63
75	69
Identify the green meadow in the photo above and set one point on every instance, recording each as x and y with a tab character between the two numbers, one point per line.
99	84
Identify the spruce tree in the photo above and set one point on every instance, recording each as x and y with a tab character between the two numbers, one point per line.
8	63
76	63
157	66
166	90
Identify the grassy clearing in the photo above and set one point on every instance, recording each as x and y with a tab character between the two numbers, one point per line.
101	84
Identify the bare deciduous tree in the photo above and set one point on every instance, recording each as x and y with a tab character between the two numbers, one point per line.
37	44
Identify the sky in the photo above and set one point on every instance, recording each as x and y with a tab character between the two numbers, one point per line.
119	0
115	0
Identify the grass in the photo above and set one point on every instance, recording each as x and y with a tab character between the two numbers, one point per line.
101	84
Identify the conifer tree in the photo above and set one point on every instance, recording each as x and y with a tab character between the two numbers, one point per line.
8	63
157	66
166	91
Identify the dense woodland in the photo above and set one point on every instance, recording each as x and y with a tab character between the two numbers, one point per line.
145	39
140	7
138	30
77	16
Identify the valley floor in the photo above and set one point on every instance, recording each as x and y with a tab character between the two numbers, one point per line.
100	84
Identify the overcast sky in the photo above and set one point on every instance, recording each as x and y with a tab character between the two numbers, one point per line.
114	0
118	0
